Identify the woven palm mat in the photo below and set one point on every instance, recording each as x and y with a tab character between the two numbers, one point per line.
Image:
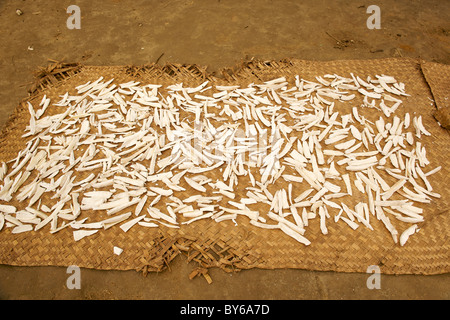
438	77
243	246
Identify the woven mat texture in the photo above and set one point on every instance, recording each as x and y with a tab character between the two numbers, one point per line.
244	246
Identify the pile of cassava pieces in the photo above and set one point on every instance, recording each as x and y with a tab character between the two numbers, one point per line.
147	156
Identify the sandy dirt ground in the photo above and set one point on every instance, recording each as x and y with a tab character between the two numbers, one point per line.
216	34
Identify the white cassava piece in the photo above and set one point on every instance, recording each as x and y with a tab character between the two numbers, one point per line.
139	148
